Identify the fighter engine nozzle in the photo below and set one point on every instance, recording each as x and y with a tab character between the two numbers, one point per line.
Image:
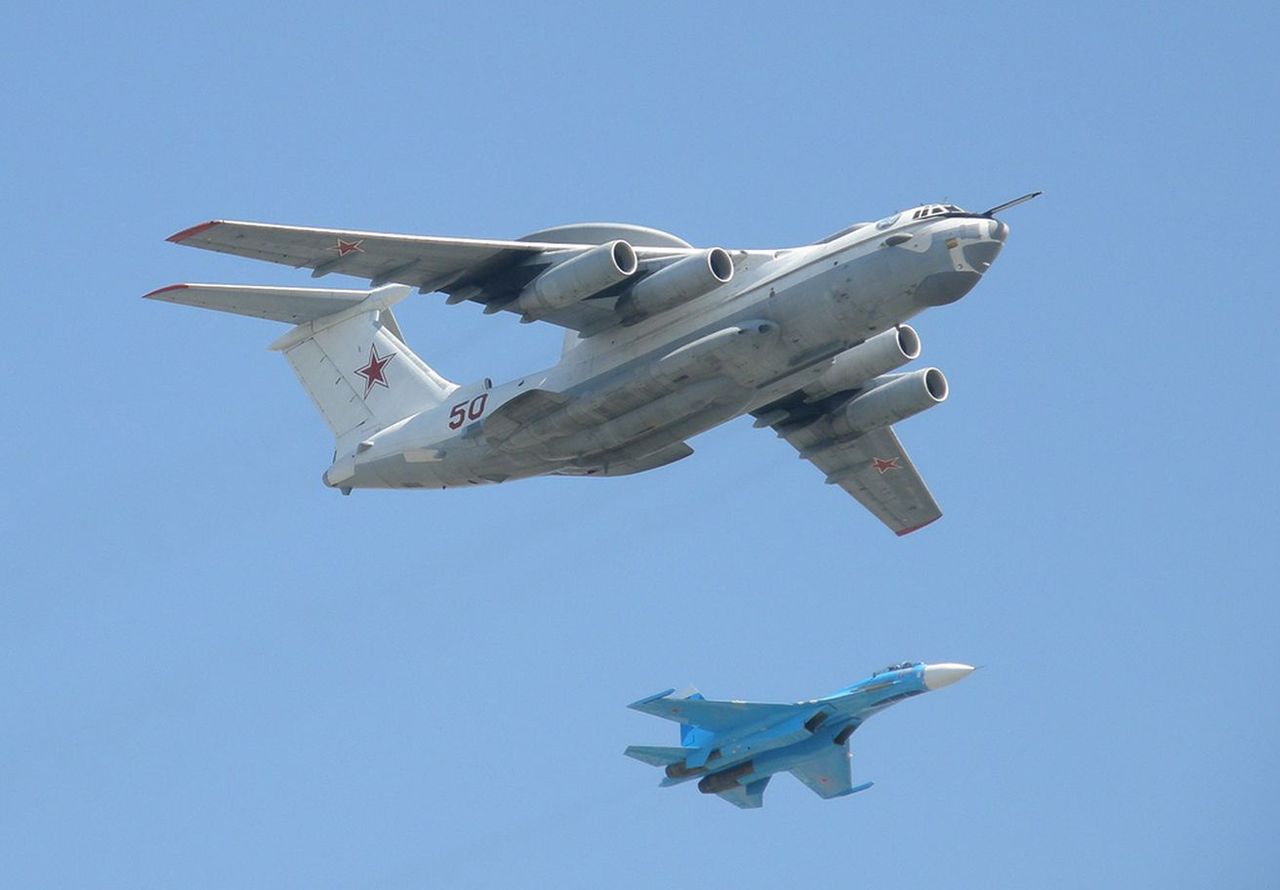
938	675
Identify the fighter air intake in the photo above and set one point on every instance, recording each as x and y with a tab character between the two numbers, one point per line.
678	283
576	279
897	398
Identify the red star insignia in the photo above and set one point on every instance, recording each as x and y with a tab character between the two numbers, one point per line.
374	371
884	465
345	247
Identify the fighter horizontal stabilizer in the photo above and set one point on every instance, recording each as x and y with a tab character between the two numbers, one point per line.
747	797
716	716
657	755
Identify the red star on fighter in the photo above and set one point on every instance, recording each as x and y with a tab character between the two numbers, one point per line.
884	465
374	371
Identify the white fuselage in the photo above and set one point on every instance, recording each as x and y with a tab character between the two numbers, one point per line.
629	395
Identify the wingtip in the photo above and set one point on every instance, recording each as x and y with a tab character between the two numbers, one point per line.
156	293
179	237
916	528
651	698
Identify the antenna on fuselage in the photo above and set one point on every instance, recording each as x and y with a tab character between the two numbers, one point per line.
1014	203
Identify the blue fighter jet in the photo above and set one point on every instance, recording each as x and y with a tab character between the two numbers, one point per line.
733	748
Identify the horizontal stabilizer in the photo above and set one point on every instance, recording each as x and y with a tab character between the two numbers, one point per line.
656	755
295	305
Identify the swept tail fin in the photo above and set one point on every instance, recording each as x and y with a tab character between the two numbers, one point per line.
346	350
692	735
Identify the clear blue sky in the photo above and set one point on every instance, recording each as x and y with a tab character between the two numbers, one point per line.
214	672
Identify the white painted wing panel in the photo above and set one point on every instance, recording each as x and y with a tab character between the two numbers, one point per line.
482	269
876	470
408	259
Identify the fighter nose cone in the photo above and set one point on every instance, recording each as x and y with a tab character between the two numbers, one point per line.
938	675
999	230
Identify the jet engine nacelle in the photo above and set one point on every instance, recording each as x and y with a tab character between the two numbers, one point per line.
678	283
897	398
717	782
576	279
881	354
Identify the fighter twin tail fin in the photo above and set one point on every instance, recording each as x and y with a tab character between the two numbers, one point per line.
345	348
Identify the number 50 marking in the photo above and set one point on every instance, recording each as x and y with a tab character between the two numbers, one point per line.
464	411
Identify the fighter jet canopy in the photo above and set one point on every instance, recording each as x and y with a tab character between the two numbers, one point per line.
900	666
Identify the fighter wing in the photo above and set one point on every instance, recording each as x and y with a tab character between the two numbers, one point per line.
875	469
716	716
828	774
485	271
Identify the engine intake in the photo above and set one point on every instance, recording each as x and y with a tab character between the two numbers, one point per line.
879	355
576	279
898	397
678	283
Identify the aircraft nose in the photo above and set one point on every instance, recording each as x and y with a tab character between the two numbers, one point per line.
999	230
981	254
938	675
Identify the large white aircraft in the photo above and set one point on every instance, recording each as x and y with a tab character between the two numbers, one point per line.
664	341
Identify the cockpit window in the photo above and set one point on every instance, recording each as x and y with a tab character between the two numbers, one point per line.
900	666
935	210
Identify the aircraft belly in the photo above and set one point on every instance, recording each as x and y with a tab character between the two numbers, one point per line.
776	760
770	756
453	466
638	423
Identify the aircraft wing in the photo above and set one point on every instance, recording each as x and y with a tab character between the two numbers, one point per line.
827	774
717	716
875	469
491	272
